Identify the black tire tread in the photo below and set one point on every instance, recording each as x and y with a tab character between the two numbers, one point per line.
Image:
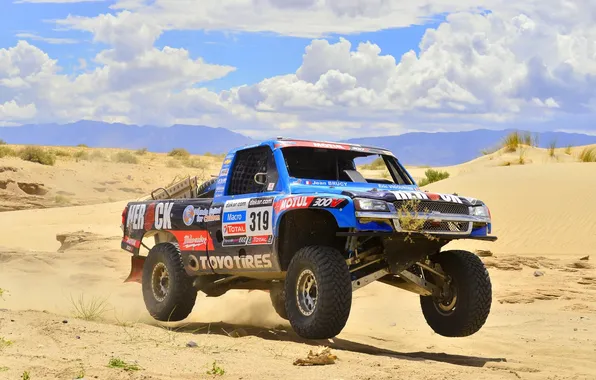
334	298
184	295
278	300
474	295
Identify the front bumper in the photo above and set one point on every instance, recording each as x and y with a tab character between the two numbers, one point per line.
433	223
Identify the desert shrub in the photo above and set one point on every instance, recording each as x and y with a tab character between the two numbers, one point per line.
522	157
195	163
433	175
83	146
2	142
125	158
487	151
61	153
141	152
38	155
588	154
81	155
551	148
215	155
6	151
376	164
173	164
568	150
97	155
179	153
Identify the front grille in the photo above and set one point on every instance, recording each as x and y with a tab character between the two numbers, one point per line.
430	206
431	226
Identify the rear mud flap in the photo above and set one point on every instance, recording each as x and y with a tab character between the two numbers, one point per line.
136	269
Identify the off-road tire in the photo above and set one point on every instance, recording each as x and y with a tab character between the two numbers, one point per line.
202	189
181	296
278	300
474	295
334	292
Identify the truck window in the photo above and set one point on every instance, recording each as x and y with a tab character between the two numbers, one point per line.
337	165
247	163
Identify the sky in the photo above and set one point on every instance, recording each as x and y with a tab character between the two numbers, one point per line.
301	68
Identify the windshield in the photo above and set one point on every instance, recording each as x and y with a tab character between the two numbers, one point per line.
340	165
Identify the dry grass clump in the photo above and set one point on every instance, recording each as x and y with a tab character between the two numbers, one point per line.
38	155
588	154
125	158
141	152
551	148
179	153
516	139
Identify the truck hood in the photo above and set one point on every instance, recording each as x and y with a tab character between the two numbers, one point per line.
387	192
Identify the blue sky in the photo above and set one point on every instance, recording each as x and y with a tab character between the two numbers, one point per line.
333	68
255	55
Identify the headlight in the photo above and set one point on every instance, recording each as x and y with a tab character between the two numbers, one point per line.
370	205
481	211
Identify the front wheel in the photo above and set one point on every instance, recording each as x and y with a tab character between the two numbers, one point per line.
465	302
318	291
167	289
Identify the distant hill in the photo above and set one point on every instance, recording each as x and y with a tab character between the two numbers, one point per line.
194	138
452	148
435	149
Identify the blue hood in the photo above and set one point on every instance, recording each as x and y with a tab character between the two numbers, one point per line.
303	186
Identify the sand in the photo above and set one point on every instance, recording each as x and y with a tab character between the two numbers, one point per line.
542	324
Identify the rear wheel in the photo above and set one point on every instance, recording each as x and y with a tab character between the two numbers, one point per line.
278	300
167	289
465	302
318	292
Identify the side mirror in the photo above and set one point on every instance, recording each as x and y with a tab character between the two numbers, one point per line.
261	178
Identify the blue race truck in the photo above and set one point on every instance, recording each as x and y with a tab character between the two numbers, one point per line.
297	218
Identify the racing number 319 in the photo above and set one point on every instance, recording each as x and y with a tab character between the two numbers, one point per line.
259	220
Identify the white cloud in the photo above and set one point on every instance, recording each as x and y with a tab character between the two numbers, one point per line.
50	40
56	1
521	63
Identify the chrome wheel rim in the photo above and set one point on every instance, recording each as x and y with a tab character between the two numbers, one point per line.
160	282
306	292
447	303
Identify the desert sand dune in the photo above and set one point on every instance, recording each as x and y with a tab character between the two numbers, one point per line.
541	326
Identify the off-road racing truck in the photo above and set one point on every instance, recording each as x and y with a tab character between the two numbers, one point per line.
297	219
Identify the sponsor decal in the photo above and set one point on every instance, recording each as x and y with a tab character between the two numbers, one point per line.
188	215
234	229
260	202
218	193
324	183
307	201
234	241
224	172
227	161
391	186
236	204
132	242
221	180
154	215
330	146
259	240
270	186
407	195
234	217
235	262
193	240
207	214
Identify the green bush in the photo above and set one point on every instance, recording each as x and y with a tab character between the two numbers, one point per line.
38	155
433	175
6	151
125	158
378	163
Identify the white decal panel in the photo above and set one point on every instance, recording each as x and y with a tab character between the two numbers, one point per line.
248	221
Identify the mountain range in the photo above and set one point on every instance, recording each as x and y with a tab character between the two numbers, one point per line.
416	148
